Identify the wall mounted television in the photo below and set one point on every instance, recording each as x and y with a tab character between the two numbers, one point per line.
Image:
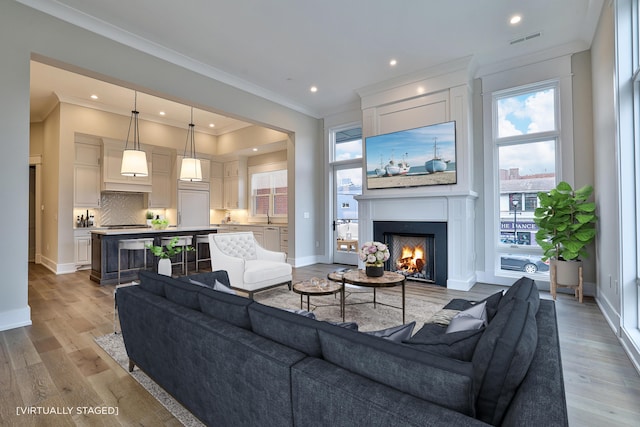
412	157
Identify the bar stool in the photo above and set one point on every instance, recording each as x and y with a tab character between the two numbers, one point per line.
201	239
132	245
183	241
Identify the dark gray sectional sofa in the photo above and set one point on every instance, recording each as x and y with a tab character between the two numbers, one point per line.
235	362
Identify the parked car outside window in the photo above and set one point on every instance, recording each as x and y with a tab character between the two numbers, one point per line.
527	263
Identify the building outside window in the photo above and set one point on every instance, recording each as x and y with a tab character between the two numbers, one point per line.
268	189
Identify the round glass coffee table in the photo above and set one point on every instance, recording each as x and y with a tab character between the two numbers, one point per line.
359	278
319	287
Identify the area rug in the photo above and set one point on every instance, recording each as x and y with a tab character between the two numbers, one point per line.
359	308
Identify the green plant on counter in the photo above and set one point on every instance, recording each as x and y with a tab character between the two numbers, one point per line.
169	250
159	223
149	215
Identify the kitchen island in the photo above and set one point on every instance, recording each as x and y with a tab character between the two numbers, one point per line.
104	251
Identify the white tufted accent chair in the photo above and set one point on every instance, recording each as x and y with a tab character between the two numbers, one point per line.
251	267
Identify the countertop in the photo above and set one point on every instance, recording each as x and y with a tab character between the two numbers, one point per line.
118	231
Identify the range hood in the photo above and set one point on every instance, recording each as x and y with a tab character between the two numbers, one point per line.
126	187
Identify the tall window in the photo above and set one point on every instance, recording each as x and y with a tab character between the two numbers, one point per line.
268	191
526	135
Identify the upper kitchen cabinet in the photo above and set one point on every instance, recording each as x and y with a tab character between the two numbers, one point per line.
160	196
235	177
86	174
205	164
112	180
216	195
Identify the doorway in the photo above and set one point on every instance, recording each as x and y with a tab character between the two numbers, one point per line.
347	184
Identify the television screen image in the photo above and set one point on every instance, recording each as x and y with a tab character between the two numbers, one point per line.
413	157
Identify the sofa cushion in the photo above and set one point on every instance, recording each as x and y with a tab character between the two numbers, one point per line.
287	328
458	345
502	358
444	381
183	293
152	282
525	289
395	333
260	270
470	319
223	306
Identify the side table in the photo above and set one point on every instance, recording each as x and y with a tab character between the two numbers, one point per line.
325	287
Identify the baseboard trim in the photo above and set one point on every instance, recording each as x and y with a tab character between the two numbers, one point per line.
630	340
15	318
59	268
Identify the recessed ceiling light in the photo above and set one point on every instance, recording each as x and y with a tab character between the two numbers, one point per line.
94	96
515	19
255	149
162	113
313	89
393	62
211	125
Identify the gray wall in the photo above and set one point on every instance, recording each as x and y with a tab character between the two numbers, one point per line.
606	169
25	32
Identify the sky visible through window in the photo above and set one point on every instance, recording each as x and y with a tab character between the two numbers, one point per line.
526	114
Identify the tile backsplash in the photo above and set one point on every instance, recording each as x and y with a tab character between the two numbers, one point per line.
122	208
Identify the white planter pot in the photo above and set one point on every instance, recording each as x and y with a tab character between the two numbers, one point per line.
567	272
164	267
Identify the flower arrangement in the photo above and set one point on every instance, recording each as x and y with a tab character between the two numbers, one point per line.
374	253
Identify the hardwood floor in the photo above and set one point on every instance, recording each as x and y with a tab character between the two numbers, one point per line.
55	364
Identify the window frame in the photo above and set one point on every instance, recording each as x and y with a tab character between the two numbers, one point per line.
259	169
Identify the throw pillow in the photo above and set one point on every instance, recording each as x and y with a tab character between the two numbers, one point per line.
443	317
346	325
462	304
222	288
396	333
456	345
470	319
195	282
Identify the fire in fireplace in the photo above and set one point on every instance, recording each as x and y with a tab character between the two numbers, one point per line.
413	256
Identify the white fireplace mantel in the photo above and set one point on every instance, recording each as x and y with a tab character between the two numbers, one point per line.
456	209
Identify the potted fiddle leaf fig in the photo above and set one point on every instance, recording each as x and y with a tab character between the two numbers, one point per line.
566	223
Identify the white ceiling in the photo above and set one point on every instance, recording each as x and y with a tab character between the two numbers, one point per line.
278	49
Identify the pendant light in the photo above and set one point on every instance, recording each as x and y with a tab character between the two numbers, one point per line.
191	169
134	160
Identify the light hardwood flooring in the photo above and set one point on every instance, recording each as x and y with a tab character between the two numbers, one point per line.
56	364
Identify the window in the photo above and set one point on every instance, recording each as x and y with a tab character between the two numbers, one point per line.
348	144
268	189
526	136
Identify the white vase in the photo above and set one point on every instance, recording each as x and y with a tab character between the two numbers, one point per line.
164	267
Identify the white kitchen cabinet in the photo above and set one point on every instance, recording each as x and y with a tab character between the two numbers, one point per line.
284	239
86	176
232	169
235	177
193	208
160	196
271	238
82	243
216	193
112	179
